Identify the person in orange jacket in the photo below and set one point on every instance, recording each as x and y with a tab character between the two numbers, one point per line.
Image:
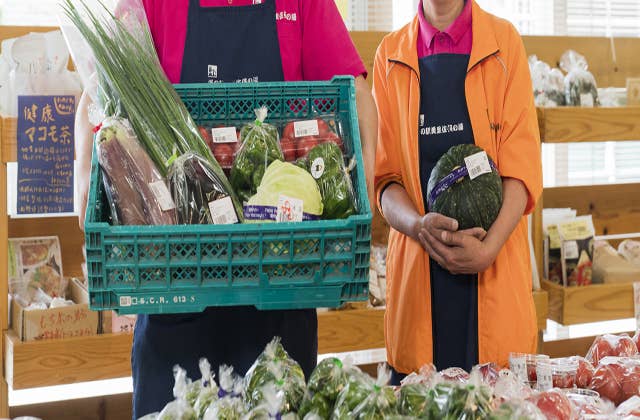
455	297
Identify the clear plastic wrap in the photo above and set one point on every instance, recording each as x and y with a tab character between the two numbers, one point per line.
135	187
554	405
617	379
620	345
451	400
199	193
271	407
229	405
630	250
260	147
224	142
548	84
517	409
584	373
455	374
488	372
206	388
556	373
325	163
587	402
630	409
524	366
179	409
300	137
580	85
381	400
328	379
275	366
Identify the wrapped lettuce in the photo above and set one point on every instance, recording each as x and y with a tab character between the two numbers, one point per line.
260	147
285	183
275	367
325	163
179	409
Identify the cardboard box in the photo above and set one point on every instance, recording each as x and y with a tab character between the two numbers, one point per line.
70	321
611	267
112	323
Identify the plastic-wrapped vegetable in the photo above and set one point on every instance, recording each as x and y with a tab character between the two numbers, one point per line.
557	373
381	400
275	366
316	405
208	389
357	390
414	399
451	400
327	380
287	193
179	409
580	85
259	148
517	410
455	374
197	191
326	165
152	416
230	405
617	379
548	84
299	137
620	345
271	408
134	185
489	373
584	373
587	402
554	404
509	386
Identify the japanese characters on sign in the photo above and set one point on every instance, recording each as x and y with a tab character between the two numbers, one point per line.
45	154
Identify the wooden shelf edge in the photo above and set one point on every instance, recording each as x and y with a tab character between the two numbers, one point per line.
541	300
58	362
350	330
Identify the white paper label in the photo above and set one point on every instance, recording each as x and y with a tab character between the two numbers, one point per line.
289	209
317	168
571	251
636	303
586	100
162	194
224	135
545	377
306	128
518	366
125	301
477	164
223	212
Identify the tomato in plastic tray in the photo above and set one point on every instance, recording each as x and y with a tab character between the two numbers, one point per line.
611	345
557	373
224	152
629	408
584	373
296	147
617	378
528	363
586	401
554	404
455	374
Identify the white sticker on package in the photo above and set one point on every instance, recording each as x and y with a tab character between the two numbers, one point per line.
223	212
477	164
289	209
317	167
571	250
544	373
224	135
306	128
162	194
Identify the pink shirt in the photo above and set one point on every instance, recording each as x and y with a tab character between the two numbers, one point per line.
456	39
314	42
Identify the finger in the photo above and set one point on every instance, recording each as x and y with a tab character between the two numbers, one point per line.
437	250
429	249
476	232
440	222
454	238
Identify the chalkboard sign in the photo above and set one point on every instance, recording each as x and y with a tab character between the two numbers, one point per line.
45	154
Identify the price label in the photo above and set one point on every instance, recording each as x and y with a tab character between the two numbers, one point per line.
223	212
477	164
317	167
224	135
306	128
289	209
162	195
518	366
571	251
545	376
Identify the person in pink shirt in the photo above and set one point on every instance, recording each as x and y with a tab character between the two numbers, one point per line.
211	41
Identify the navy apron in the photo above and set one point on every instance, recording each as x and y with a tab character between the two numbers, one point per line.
444	122
223	44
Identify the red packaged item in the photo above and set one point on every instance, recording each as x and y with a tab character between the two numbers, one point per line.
636	339
524	366
588	403
584	373
557	373
455	374
299	137
223	143
617	378
611	345
554	404
489	372
629	409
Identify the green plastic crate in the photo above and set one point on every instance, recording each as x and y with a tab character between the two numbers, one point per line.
186	268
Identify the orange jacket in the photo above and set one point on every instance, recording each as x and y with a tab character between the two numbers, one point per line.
500	103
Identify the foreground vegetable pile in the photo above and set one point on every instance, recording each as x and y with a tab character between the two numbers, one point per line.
275	388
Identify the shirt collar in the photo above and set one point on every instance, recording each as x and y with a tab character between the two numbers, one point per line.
456	30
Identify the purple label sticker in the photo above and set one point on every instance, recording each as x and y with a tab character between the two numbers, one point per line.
448	181
270	213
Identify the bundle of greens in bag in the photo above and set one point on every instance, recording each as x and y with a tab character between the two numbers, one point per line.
229	405
325	163
272	405
414	399
449	400
259	148
364	398
274	366
199	194
118	52
287	193
328	379
204	391
179	409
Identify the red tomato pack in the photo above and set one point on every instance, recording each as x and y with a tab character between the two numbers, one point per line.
617	379
620	345
223	141
557	373
299	137
554	404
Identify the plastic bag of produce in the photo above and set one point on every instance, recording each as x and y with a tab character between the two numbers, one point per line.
488	372
287	193
455	374
224	142
300	137
587	402
381	400
548	90
274	366
459	401
620	345
358	388
579	84
557	373
554	404
629	409
179	409
427	374
517	410
326	165
271	407
576	251
207	389
328	379
466	185
413	399
259	148
631	251
137	190
509	387
229	405
199	193
617	378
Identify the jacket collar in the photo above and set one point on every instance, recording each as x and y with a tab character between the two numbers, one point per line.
484	40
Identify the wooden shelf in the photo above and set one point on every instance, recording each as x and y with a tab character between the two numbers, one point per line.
569	124
57	362
582	304
350	330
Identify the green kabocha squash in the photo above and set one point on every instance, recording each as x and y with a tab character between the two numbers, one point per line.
472	202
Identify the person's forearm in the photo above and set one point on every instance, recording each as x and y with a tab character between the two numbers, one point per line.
84	149
400	212
514	202
368	123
